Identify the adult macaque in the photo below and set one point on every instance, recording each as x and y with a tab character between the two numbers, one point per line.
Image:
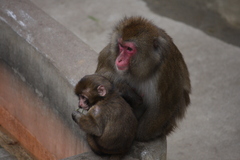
109	123
143	56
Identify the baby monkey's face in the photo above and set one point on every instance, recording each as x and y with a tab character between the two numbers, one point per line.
84	102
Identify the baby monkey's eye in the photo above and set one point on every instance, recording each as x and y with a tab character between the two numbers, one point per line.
82	97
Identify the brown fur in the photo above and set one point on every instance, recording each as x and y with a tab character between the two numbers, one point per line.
110	123
157	72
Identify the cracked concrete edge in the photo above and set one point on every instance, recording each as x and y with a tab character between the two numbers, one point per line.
47	56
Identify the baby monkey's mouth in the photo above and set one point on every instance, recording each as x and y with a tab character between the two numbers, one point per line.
84	108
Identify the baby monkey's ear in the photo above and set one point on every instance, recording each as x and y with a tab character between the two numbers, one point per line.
101	90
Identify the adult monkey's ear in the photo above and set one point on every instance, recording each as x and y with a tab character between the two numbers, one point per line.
101	90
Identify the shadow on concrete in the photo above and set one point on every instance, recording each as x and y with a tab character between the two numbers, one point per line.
196	14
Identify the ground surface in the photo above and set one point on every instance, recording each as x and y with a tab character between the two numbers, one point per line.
201	14
211	129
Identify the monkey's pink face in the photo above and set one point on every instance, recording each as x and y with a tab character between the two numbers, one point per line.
83	102
126	51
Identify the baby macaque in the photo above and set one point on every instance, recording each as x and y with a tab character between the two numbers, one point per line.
109	123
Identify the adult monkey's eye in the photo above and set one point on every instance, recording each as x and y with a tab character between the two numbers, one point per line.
129	49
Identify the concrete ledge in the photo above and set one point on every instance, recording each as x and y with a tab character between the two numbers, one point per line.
47	55
50	59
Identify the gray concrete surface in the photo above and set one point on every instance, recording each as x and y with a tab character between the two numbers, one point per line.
218	18
211	129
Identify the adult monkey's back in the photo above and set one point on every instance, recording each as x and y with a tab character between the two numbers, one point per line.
144	57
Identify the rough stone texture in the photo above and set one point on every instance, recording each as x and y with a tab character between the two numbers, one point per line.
211	127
